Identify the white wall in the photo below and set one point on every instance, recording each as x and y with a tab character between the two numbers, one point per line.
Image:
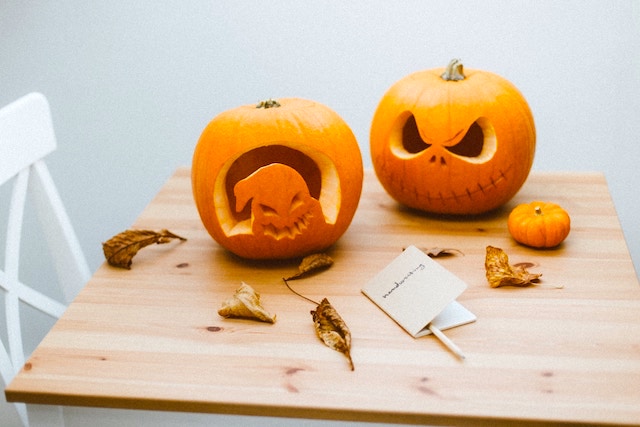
132	84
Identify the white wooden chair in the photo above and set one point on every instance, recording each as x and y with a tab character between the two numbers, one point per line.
26	137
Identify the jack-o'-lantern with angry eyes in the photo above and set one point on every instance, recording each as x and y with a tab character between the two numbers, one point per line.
452	141
277	180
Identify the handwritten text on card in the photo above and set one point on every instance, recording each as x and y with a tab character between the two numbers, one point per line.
397	284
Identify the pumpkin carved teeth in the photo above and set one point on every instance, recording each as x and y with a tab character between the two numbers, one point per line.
290	232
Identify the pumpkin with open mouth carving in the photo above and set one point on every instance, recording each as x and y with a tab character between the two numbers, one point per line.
276	180
452	141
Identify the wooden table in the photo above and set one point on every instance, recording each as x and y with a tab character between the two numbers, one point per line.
151	338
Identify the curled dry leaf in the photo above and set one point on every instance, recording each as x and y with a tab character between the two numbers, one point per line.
311	264
331	329
500	273
121	248
245	304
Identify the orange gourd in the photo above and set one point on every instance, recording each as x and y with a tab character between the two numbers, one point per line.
452	141
278	180
539	224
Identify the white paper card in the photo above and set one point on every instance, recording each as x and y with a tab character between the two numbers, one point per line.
415	290
455	314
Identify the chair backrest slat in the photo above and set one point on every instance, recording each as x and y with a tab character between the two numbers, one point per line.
26	137
27	134
12	265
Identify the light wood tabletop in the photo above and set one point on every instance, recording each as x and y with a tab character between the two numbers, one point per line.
151	338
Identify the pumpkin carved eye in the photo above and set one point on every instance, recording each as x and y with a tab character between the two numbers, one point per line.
296	202
412	142
477	145
268	210
471	143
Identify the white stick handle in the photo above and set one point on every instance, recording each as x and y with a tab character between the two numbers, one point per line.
446	341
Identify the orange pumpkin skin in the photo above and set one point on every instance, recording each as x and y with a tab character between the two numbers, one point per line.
452	147
539	224
279	182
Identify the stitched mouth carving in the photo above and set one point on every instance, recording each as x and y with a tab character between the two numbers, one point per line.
468	193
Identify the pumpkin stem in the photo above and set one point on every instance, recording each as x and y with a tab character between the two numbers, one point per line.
538	210
269	103
454	71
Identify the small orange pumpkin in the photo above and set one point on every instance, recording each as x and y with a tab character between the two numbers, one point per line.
452	141
278	180
539	224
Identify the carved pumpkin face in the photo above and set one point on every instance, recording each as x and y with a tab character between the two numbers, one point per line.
453	143
277	180
277	210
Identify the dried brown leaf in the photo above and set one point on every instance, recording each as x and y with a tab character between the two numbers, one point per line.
331	329
121	248
245	304
500	273
312	263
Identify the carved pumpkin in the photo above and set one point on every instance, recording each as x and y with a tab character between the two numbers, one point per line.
278	180
539	224
452	142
